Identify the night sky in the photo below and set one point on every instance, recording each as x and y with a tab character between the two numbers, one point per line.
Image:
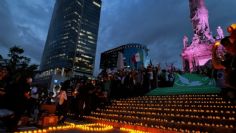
158	24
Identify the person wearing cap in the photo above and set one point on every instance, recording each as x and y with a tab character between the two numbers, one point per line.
227	63
232	30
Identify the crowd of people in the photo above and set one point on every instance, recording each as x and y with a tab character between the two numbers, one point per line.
227	63
15	95
128	82
82	95
78	95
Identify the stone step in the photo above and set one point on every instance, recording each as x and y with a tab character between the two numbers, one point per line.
175	106
172	100
172	125
174	114
174	96
173	110
138	116
180	113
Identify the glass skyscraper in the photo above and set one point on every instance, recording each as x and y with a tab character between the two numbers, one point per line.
72	37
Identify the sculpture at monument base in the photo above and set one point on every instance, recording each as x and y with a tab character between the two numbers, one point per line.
185	41
220	33
195	56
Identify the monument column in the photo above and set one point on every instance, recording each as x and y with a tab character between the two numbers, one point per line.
199	18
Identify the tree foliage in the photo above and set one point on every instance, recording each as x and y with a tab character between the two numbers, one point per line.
20	64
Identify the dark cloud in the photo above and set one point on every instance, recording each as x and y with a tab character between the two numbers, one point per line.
25	24
7	29
32	44
158	24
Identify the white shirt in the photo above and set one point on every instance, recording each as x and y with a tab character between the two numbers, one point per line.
62	97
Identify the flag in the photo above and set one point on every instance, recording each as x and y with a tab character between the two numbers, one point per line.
137	57
133	59
120	61
150	62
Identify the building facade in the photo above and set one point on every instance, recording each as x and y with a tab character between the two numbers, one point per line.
72	37
71	43
133	55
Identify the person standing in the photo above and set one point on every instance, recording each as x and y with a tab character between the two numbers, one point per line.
3	84
62	102
17	95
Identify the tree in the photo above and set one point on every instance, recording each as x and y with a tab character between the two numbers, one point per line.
20	64
15	55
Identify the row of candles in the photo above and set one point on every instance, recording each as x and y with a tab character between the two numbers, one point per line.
132	130
165	99
167	128
147	105
168	100
173	105
163	120
49	129
174	96
95	127
98	127
133	114
124	122
175	102
146	109
187	95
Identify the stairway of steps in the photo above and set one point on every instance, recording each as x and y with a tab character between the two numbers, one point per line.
180	113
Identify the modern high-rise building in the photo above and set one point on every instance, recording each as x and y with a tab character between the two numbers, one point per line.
72	37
